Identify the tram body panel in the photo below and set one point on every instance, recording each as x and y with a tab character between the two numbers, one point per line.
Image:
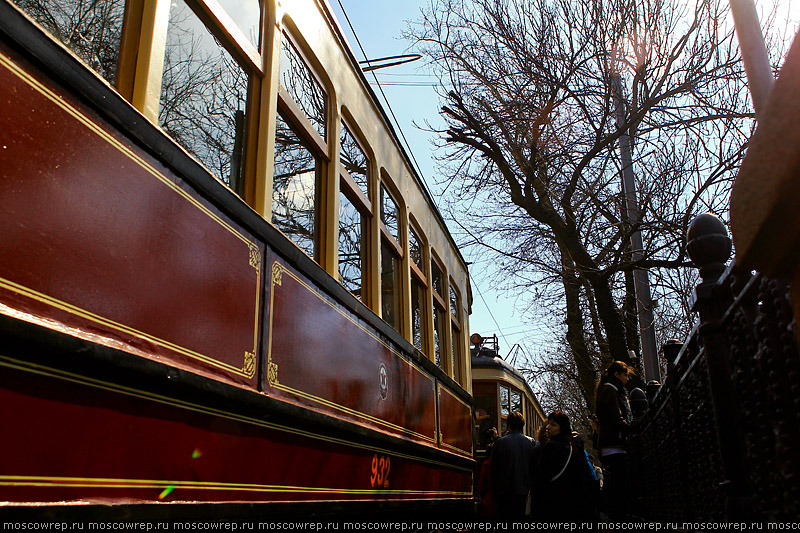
165	343
125	445
323	357
106	241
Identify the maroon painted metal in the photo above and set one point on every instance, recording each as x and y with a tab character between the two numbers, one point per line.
455	421
323	357
127	445
100	237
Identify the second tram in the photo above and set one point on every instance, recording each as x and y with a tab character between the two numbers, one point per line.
499	389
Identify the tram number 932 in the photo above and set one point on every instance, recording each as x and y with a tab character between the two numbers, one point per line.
381	465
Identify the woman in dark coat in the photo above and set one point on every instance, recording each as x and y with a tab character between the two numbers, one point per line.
613	420
561	476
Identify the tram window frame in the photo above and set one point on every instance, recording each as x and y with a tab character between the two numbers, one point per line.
504	408
529	418
229	47
419	289
456	341
512	404
439	312
352	192
285	97
228	32
485	396
299	123
392	248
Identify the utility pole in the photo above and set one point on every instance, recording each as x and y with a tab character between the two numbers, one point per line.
754	51
641	281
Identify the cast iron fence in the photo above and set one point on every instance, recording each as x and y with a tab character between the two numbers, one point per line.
721	439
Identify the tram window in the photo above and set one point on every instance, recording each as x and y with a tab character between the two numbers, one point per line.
438	337
418	314
246	14
389	214
504	409
516	402
440	329
436	278
350	245
303	87
419	291
354	211
294	187
455	347
203	96
415	248
354	160
92	30
391	254
455	333
485	401
390	285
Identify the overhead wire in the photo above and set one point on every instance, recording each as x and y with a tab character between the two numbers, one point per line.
489	309
388	105
411	153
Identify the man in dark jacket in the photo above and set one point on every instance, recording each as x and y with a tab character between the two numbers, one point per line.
510	473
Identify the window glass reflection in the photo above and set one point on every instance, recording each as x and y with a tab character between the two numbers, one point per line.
516	402
436	277
390	285
247	16
503	410
350	232
418	314
415	248
203	96
389	213
453	303
354	160
303	87
91	29
455	349
438	336
294	187
485	417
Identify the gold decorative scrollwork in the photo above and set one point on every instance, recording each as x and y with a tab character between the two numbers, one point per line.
255	257
277	273
272	374
249	364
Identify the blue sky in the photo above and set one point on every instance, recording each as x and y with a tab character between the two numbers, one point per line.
379	25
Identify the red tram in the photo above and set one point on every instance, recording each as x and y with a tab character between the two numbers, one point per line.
223	287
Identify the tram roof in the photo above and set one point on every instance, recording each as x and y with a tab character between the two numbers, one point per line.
492	361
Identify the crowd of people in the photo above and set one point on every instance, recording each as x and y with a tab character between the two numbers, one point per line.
553	477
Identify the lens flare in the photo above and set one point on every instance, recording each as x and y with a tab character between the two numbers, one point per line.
166	492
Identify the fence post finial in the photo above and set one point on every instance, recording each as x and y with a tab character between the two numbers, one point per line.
709	246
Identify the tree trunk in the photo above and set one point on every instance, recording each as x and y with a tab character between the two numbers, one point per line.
575	333
610	317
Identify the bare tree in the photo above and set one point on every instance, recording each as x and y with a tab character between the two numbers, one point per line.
533	140
203	96
92	29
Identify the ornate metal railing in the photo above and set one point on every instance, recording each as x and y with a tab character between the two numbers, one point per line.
721	439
